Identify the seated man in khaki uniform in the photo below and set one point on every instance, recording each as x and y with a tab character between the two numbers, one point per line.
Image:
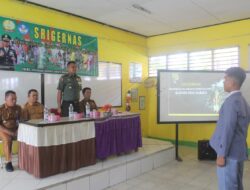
86	92
33	109
10	114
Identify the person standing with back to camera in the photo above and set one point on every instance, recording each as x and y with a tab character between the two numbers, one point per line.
229	138
68	90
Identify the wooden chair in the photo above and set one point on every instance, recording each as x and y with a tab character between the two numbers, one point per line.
1	154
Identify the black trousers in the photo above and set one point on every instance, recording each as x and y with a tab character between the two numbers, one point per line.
65	107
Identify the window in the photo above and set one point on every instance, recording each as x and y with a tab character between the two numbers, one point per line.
103	71
156	63
201	60
135	72
225	58
177	61
109	71
216	59
114	70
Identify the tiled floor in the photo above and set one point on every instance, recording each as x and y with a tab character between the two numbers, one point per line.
190	174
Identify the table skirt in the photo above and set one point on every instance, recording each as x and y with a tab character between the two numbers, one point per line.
117	135
46	161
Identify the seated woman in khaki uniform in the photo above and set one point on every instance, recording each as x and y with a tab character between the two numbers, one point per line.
33	109
10	115
86	92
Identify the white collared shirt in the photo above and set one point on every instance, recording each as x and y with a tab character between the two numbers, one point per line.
232	92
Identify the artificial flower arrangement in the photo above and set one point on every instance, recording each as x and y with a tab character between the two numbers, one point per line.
107	108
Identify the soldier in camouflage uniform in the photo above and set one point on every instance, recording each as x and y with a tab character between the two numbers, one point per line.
69	88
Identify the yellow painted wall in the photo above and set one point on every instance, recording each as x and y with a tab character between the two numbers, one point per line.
122	47
114	45
220	36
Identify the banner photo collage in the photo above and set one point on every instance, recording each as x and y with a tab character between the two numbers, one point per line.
35	48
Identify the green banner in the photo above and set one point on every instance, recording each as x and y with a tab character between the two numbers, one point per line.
35	48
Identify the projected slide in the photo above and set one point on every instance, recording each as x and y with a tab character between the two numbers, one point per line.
192	96
206	96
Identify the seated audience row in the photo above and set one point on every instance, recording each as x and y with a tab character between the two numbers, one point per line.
11	114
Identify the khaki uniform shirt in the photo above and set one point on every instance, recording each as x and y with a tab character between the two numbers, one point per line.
34	111
82	105
70	85
10	116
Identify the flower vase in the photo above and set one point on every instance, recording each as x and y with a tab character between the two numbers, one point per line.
107	114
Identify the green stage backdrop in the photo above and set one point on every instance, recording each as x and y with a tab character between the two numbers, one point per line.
37	48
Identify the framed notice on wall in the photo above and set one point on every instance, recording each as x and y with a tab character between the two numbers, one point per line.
141	102
134	94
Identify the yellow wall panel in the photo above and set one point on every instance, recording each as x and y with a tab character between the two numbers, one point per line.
114	45
118	46
219	36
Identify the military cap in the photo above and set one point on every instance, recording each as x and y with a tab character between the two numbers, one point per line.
6	37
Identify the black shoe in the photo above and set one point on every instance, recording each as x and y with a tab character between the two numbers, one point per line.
9	167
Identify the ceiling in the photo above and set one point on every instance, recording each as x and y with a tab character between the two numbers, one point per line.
154	17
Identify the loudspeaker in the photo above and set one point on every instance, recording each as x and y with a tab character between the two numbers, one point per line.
205	151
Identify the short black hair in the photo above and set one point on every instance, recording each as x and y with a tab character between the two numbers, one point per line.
71	62
237	73
9	92
32	90
84	90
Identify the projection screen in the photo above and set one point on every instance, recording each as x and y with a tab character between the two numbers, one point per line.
192	96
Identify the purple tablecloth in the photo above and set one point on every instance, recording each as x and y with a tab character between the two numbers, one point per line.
116	135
